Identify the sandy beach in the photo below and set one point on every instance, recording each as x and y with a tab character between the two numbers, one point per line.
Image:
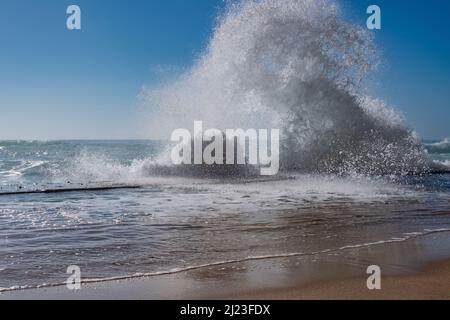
431	283
415	269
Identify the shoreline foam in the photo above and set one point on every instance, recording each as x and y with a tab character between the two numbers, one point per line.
291	277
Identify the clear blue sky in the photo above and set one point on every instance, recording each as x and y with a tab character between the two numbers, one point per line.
60	84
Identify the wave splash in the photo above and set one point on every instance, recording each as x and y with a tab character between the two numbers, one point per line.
298	66
439	147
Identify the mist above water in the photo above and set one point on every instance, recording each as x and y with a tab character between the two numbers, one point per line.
298	66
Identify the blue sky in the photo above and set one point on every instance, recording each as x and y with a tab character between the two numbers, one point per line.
61	84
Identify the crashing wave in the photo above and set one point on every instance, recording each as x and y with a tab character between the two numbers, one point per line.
439	147
296	65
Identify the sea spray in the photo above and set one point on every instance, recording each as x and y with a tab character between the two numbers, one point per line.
298	66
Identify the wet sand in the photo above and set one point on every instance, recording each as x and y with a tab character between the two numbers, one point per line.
432	283
418	268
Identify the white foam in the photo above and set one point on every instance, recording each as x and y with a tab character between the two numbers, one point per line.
445	163
19	170
441	144
295	65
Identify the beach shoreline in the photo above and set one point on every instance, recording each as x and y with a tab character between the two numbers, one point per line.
431	283
418	268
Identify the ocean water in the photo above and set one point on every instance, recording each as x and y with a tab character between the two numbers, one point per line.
175	223
352	174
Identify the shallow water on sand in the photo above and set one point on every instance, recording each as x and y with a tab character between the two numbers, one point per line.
176	223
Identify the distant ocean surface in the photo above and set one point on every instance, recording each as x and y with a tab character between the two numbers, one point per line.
175	222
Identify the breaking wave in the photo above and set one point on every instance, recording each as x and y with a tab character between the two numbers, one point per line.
296	65
439	147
